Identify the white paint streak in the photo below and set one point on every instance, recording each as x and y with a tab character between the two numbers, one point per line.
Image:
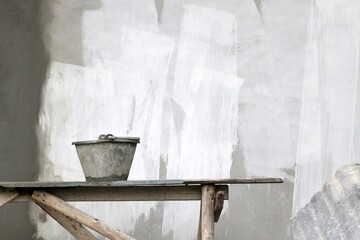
265	135
285	24
329	95
64	117
125	99
144	64
122	88
263	112
202	91
102	28
204	107
135	64
202	144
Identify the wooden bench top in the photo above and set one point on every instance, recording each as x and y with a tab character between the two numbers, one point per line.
52	197
140	183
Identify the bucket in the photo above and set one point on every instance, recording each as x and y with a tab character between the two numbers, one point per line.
107	159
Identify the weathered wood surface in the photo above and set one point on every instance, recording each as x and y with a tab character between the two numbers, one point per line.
235	181
7	195
207	212
200	222
51	197
218	205
138	183
140	193
79	216
152	190
76	229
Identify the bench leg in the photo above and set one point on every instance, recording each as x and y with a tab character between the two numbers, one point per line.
207	212
199	228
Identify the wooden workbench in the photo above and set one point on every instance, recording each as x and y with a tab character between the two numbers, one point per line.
52	198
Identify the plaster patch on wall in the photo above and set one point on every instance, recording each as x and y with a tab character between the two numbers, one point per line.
285	25
262	102
216	46
263	112
126	98
254	61
102	28
201	91
64	45
203	129
326	135
206	145
64	117
207	40
209	131
137	63
144	64
65	113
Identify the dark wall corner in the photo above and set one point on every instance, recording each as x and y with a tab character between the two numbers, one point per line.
23	65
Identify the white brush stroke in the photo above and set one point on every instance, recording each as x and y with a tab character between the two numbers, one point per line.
102	28
65	113
126	98
329	95
204	107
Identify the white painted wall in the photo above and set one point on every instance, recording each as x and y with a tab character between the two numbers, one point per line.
269	83
326	135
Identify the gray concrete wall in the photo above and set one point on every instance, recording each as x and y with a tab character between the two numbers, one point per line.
70	70
251	207
23	64
38	32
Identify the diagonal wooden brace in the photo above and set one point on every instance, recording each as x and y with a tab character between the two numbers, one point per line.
61	206
7	195
218	205
76	229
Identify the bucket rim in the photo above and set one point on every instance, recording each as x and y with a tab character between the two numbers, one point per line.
114	140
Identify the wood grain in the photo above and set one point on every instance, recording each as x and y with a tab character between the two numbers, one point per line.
140	193
7	195
76	229
207	212
95	224
219	204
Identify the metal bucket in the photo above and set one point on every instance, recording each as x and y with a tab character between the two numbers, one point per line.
107	159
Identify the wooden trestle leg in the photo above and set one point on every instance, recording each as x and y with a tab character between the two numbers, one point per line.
76	229
7	196
200	223
207	212
54	203
210	210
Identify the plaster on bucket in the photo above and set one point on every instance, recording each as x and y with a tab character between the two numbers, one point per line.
109	158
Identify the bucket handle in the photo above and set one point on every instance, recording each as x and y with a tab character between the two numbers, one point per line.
106	137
